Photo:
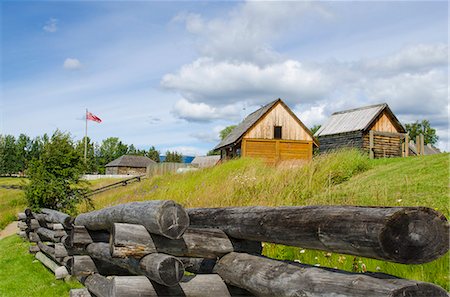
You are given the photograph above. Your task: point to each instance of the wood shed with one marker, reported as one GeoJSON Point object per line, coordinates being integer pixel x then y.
{"type": "Point", "coordinates": [273, 133]}
{"type": "Point", "coordinates": [374, 129]}
{"type": "Point", "coordinates": [205, 161]}
{"type": "Point", "coordinates": [129, 164]}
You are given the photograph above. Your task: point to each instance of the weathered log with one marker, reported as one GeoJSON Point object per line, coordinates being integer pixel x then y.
{"type": "Point", "coordinates": [60, 251]}
{"type": "Point", "coordinates": [59, 234]}
{"type": "Point", "coordinates": [22, 225]}
{"type": "Point", "coordinates": [107, 269]}
{"type": "Point", "coordinates": [33, 224]}
{"type": "Point", "coordinates": [41, 218]}
{"type": "Point", "coordinates": [22, 234]}
{"type": "Point", "coordinates": [33, 237]}
{"type": "Point", "coordinates": [135, 241]}
{"type": "Point", "coordinates": [21, 216]}
{"type": "Point", "coordinates": [46, 234]}
{"type": "Point", "coordinates": [99, 236]}
{"type": "Point", "coordinates": [80, 293]}
{"type": "Point", "coordinates": [55, 216]}
{"type": "Point", "coordinates": [99, 285]}
{"type": "Point", "coordinates": [410, 235]}
{"type": "Point", "coordinates": [46, 249]}
{"type": "Point", "coordinates": [161, 268]}
{"type": "Point", "coordinates": [56, 226]}
{"type": "Point", "coordinates": [60, 271]}
{"type": "Point", "coordinates": [80, 236]}
{"type": "Point", "coordinates": [198, 265]}
{"type": "Point", "coordinates": [33, 249]}
{"type": "Point", "coordinates": [163, 217]}
{"type": "Point", "coordinates": [267, 277]}
{"type": "Point", "coordinates": [80, 266]}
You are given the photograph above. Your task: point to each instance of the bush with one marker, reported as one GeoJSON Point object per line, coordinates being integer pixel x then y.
{"type": "Point", "coordinates": [55, 176]}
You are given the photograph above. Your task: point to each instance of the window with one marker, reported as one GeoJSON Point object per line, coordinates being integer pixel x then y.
{"type": "Point", "coordinates": [277, 132]}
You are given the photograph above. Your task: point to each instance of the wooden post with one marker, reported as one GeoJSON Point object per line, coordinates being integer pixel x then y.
{"type": "Point", "coordinates": [267, 277]}
{"type": "Point", "coordinates": [406, 145]}
{"type": "Point", "coordinates": [418, 146]}
{"type": "Point", "coordinates": [371, 145]}
{"type": "Point", "coordinates": [163, 217]}
{"type": "Point", "coordinates": [399, 234]}
{"type": "Point", "coordinates": [60, 271]}
{"type": "Point", "coordinates": [422, 145]}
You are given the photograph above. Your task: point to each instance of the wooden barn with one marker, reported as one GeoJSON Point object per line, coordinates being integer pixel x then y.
{"type": "Point", "coordinates": [273, 133]}
{"type": "Point", "coordinates": [372, 128]}
{"type": "Point", "coordinates": [129, 164]}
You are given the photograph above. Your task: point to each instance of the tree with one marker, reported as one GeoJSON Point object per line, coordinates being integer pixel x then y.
{"type": "Point", "coordinates": [213, 153]}
{"type": "Point", "coordinates": [91, 160]}
{"type": "Point", "coordinates": [153, 154]}
{"type": "Point", "coordinates": [132, 150]}
{"type": "Point", "coordinates": [110, 149]}
{"type": "Point", "coordinates": [224, 133]}
{"type": "Point", "coordinates": [55, 176]}
{"type": "Point", "coordinates": [173, 157]}
{"type": "Point", "coordinates": [23, 146]}
{"type": "Point", "coordinates": [8, 155]}
{"type": "Point", "coordinates": [315, 128]}
{"type": "Point", "coordinates": [424, 127]}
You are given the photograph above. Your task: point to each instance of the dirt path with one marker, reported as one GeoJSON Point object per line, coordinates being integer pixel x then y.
{"type": "Point", "coordinates": [9, 230]}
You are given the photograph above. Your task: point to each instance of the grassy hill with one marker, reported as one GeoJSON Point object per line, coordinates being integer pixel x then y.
{"type": "Point", "coordinates": [343, 178]}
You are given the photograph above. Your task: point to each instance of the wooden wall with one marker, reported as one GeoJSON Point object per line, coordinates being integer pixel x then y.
{"type": "Point", "coordinates": [273, 151]}
{"type": "Point", "coordinates": [384, 146]}
{"type": "Point", "coordinates": [384, 124]}
{"type": "Point", "coordinates": [336, 141]}
{"type": "Point", "coordinates": [278, 116]}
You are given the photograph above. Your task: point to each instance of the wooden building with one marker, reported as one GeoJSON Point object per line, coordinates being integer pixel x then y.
{"type": "Point", "coordinates": [205, 161]}
{"type": "Point", "coordinates": [374, 129]}
{"type": "Point", "coordinates": [129, 164]}
{"type": "Point", "coordinates": [273, 133]}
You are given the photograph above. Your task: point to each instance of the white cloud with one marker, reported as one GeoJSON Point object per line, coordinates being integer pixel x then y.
{"type": "Point", "coordinates": [212, 136]}
{"type": "Point", "coordinates": [201, 112]}
{"type": "Point", "coordinates": [185, 150]}
{"type": "Point", "coordinates": [72, 64]}
{"type": "Point", "coordinates": [51, 25]}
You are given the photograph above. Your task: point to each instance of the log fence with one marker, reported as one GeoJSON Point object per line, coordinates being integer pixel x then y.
{"type": "Point", "coordinates": [146, 248]}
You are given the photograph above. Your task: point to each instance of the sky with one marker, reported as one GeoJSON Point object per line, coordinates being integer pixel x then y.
{"type": "Point", "coordinates": [173, 74]}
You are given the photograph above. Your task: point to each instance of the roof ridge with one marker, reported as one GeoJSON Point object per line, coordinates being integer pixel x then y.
{"type": "Point", "coordinates": [359, 108]}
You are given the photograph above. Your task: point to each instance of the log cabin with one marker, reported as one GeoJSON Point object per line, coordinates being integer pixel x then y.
{"type": "Point", "coordinates": [273, 133]}
{"type": "Point", "coordinates": [129, 164]}
{"type": "Point", "coordinates": [374, 129]}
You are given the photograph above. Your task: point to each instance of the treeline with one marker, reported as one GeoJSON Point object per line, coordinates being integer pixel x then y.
{"type": "Point", "coordinates": [16, 154]}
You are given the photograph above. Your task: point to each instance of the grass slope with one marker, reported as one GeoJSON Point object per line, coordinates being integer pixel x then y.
{"type": "Point", "coordinates": [343, 178]}
{"type": "Point", "coordinates": [12, 201]}
{"type": "Point", "coordinates": [23, 276]}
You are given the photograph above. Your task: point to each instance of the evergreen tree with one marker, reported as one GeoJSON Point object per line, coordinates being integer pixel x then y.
{"type": "Point", "coordinates": [8, 155]}
{"type": "Point", "coordinates": [173, 157]}
{"type": "Point", "coordinates": [153, 154]}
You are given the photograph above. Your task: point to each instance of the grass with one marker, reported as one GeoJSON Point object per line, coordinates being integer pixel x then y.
{"type": "Point", "coordinates": [12, 201]}
{"type": "Point", "coordinates": [23, 276]}
{"type": "Point", "coordinates": [342, 178]}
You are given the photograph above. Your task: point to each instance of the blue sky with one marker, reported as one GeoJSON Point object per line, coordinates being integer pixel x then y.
{"type": "Point", "coordinates": [173, 74]}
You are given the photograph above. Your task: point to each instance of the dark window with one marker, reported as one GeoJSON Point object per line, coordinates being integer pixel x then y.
{"type": "Point", "coordinates": [277, 132]}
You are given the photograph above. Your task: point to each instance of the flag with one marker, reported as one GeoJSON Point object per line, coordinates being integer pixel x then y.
{"type": "Point", "coordinates": [91, 117]}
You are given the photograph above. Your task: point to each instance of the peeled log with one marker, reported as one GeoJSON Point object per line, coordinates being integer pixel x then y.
{"type": "Point", "coordinates": [55, 216]}
{"type": "Point", "coordinates": [163, 217]}
{"type": "Point", "coordinates": [80, 266]}
{"type": "Point", "coordinates": [161, 268]}
{"type": "Point", "coordinates": [132, 240]}
{"type": "Point", "coordinates": [409, 235]}
{"type": "Point", "coordinates": [267, 277]}
{"type": "Point", "coordinates": [80, 293]}
{"type": "Point", "coordinates": [60, 271]}
{"type": "Point", "coordinates": [60, 251]}
{"type": "Point", "coordinates": [46, 234]}
{"type": "Point", "coordinates": [99, 285]}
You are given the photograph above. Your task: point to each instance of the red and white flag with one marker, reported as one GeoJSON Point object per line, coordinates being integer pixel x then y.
{"type": "Point", "coordinates": [91, 117]}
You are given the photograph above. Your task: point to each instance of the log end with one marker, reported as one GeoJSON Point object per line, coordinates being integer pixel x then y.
{"type": "Point", "coordinates": [174, 220]}
{"type": "Point", "coordinates": [415, 236]}
{"type": "Point", "coordinates": [421, 290]}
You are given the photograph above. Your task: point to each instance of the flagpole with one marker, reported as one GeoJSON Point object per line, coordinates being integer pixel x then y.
{"type": "Point", "coordinates": [85, 138]}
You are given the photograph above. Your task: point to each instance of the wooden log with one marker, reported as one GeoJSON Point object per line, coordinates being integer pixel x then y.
{"type": "Point", "coordinates": [22, 225]}
{"type": "Point", "coordinates": [55, 216]}
{"type": "Point", "coordinates": [99, 236]}
{"type": "Point", "coordinates": [22, 234]}
{"type": "Point", "coordinates": [41, 218]}
{"type": "Point", "coordinates": [80, 236]}
{"type": "Point", "coordinates": [60, 271]}
{"type": "Point", "coordinates": [46, 234]}
{"type": "Point", "coordinates": [80, 266]}
{"type": "Point", "coordinates": [107, 269]}
{"type": "Point", "coordinates": [161, 268]}
{"type": "Point", "coordinates": [99, 285]}
{"type": "Point", "coordinates": [132, 286]}
{"type": "Point", "coordinates": [59, 234]}
{"type": "Point", "coordinates": [267, 277]}
{"type": "Point", "coordinates": [33, 224]}
{"type": "Point", "coordinates": [198, 265]}
{"type": "Point", "coordinates": [410, 235]}
{"type": "Point", "coordinates": [21, 216]}
{"type": "Point", "coordinates": [46, 249]}
{"type": "Point", "coordinates": [163, 217]}
{"type": "Point", "coordinates": [131, 240]}
{"type": "Point", "coordinates": [79, 293]}
{"type": "Point", "coordinates": [33, 237]}
{"type": "Point", "coordinates": [57, 226]}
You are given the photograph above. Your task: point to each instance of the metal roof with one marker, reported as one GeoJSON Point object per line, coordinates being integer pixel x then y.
{"type": "Point", "coordinates": [206, 161]}
{"type": "Point", "coordinates": [248, 122]}
{"type": "Point", "coordinates": [355, 120]}
{"type": "Point", "coordinates": [130, 161]}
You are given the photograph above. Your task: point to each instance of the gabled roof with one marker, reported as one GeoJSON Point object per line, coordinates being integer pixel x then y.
{"type": "Point", "coordinates": [130, 161]}
{"type": "Point", "coordinates": [206, 161]}
{"type": "Point", "coordinates": [356, 120]}
{"type": "Point", "coordinates": [251, 120]}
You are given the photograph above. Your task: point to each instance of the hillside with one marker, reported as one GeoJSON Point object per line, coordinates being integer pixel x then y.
{"type": "Point", "coordinates": [345, 178]}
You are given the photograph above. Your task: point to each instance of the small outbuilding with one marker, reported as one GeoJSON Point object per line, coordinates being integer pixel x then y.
{"type": "Point", "coordinates": [372, 128]}
{"type": "Point", "coordinates": [273, 133]}
{"type": "Point", "coordinates": [205, 161]}
{"type": "Point", "coordinates": [129, 164]}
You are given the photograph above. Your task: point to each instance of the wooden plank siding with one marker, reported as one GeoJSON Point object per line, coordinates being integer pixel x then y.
{"type": "Point", "coordinates": [384, 124]}
{"type": "Point", "coordinates": [273, 151]}
{"type": "Point", "coordinates": [384, 146]}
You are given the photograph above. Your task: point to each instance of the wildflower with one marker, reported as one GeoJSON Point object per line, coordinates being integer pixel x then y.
{"type": "Point", "coordinates": [399, 200]}
{"type": "Point", "coordinates": [298, 261]}
{"type": "Point", "coordinates": [328, 255]}
{"type": "Point", "coordinates": [378, 268]}
{"type": "Point", "coordinates": [316, 258]}
{"type": "Point", "coordinates": [302, 251]}
{"type": "Point", "coordinates": [363, 267]}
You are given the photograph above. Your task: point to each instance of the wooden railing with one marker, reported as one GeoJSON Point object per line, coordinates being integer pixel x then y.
{"type": "Point", "coordinates": [121, 183]}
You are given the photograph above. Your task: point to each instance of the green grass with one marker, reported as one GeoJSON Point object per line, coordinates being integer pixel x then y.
{"type": "Point", "coordinates": [12, 201]}
{"type": "Point", "coordinates": [23, 276]}
{"type": "Point", "coordinates": [343, 178]}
